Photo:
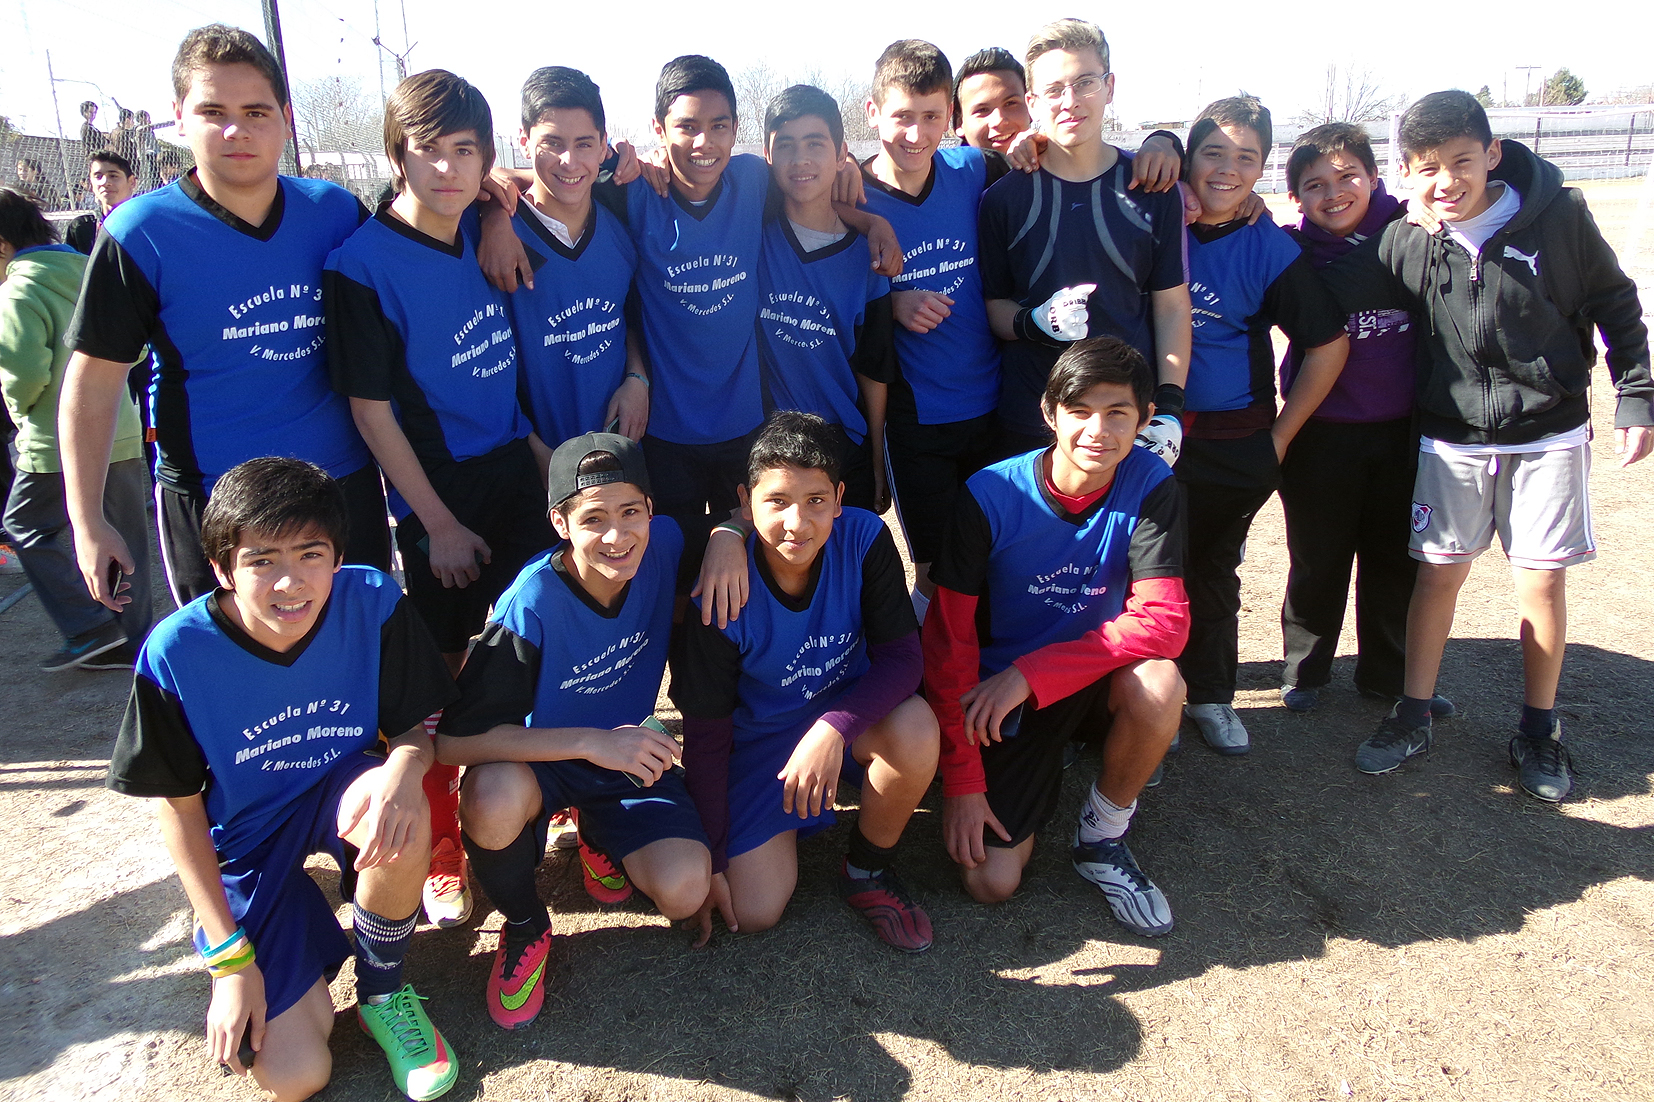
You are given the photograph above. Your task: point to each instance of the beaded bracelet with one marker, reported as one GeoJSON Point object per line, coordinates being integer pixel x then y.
{"type": "Point", "coordinates": [232, 956]}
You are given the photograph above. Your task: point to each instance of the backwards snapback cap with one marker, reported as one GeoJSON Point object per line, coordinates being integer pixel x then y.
{"type": "Point", "coordinates": [565, 479]}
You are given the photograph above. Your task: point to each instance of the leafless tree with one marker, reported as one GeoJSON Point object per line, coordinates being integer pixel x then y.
{"type": "Point", "coordinates": [1349, 94]}
{"type": "Point", "coordinates": [337, 113]}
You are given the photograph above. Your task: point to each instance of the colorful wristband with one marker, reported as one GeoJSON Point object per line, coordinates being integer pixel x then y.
{"type": "Point", "coordinates": [730, 526]}
{"type": "Point", "coordinates": [231, 957]}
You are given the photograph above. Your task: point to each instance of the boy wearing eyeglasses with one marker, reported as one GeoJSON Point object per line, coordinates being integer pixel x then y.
{"type": "Point", "coordinates": [1073, 250]}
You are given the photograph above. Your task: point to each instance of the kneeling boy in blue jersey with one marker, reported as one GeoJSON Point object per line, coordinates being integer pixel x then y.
{"type": "Point", "coordinates": [554, 712]}
{"type": "Point", "coordinates": [256, 714]}
{"type": "Point", "coordinates": [815, 678]}
{"type": "Point", "coordinates": [824, 322]}
{"type": "Point", "coordinates": [1059, 610]}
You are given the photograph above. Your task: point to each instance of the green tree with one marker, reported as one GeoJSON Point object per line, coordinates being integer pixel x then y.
{"type": "Point", "coordinates": [1561, 89]}
{"type": "Point", "coordinates": [1485, 96]}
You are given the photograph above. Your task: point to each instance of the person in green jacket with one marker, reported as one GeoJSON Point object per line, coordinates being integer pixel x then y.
{"type": "Point", "coordinates": [41, 280]}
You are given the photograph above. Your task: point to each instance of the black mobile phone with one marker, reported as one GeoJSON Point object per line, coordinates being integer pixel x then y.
{"type": "Point", "coordinates": [244, 1052]}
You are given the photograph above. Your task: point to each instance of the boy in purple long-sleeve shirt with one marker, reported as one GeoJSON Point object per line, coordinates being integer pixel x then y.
{"type": "Point", "coordinates": [1347, 481]}
{"type": "Point", "coordinates": [815, 679]}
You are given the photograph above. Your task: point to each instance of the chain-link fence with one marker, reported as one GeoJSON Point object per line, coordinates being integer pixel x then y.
{"type": "Point", "coordinates": [53, 170]}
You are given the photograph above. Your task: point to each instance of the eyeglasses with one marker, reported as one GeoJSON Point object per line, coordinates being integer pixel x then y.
{"type": "Point", "coordinates": [1083, 88]}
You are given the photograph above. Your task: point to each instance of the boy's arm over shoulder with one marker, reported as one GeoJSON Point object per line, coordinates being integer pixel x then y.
{"type": "Point", "coordinates": [1363, 279]}
{"type": "Point", "coordinates": [1613, 306]}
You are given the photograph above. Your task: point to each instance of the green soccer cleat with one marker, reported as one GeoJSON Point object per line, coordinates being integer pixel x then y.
{"type": "Point", "coordinates": [421, 1062]}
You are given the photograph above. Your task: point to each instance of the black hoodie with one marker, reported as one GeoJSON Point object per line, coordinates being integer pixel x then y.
{"type": "Point", "coordinates": [1505, 348]}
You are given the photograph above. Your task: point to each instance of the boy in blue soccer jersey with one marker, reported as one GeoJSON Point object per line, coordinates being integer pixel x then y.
{"type": "Point", "coordinates": [814, 681]}
{"type": "Point", "coordinates": [824, 318]}
{"type": "Point", "coordinates": [256, 715]}
{"type": "Point", "coordinates": [1059, 610]}
{"type": "Point", "coordinates": [581, 366]}
{"type": "Point", "coordinates": [1245, 278]}
{"type": "Point", "coordinates": [698, 240]}
{"type": "Point", "coordinates": [424, 348]}
{"type": "Point", "coordinates": [220, 276]}
{"type": "Point", "coordinates": [554, 709]}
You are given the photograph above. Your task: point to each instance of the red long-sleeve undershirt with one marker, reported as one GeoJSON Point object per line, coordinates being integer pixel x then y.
{"type": "Point", "coordinates": [1153, 624]}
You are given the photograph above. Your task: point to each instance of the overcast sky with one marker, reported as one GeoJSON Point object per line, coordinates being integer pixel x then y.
{"type": "Point", "coordinates": [1278, 52]}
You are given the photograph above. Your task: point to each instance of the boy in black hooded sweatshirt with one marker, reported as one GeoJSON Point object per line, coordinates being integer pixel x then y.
{"type": "Point", "coordinates": [1506, 284]}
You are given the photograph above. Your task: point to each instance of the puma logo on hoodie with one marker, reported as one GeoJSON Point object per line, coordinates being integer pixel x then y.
{"type": "Point", "coordinates": [1531, 261]}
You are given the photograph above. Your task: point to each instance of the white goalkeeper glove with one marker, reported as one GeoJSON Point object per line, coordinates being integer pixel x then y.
{"type": "Point", "coordinates": [1063, 316]}
{"type": "Point", "coordinates": [1163, 436]}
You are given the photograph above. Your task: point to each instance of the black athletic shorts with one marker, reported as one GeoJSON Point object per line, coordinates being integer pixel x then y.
{"type": "Point", "coordinates": [178, 516]}
{"type": "Point", "coordinates": [1024, 772]}
{"type": "Point", "coordinates": [500, 497]}
{"type": "Point", "coordinates": [928, 464]}
{"type": "Point", "coordinates": [689, 480]}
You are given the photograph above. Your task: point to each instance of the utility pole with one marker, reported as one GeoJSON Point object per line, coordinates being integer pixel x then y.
{"type": "Point", "coordinates": [62, 151]}
{"type": "Point", "coordinates": [401, 59]}
{"type": "Point", "coordinates": [272, 31]}
{"type": "Point", "coordinates": [1527, 80]}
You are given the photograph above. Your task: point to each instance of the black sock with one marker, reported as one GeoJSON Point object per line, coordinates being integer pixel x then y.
{"type": "Point", "coordinates": [381, 943]}
{"type": "Point", "coordinates": [507, 876]}
{"type": "Point", "coordinates": [866, 858]}
{"type": "Point", "coordinates": [1414, 711]}
{"type": "Point", "coordinates": [1536, 722]}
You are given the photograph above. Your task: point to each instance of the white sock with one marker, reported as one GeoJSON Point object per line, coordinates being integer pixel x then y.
{"type": "Point", "coordinates": [1101, 821]}
{"type": "Point", "coordinates": [921, 605]}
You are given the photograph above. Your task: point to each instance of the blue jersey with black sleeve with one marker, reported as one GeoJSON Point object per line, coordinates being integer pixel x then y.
{"type": "Point", "coordinates": [552, 656]}
{"type": "Point", "coordinates": [1230, 278]}
{"type": "Point", "coordinates": [571, 325]}
{"type": "Point", "coordinates": [213, 709]}
{"type": "Point", "coordinates": [697, 283]}
{"type": "Point", "coordinates": [952, 372]}
{"type": "Point", "coordinates": [412, 321]}
{"type": "Point", "coordinates": [812, 318]}
{"type": "Point", "coordinates": [231, 315]}
{"type": "Point", "coordinates": [1048, 576]}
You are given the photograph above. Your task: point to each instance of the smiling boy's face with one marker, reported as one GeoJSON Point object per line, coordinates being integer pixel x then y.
{"type": "Point", "coordinates": [1334, 192]}
{"type": "Point", "coordinates": [804, 159]}
{"type": "Point", "coordinates": [1451, 179]}
{"type": "Point", "coordinates": [993, 109]}
{"type": "Point", "coordinates": [567, 147]}
{"type": "Point", "coordinates": [699, 135]}
{"type": "Point", "coordinates": [278, 584]}
{"type": "Point", "coordinates": [1223, 170]}
{"type": "Point", "coordinates": [910, 125]}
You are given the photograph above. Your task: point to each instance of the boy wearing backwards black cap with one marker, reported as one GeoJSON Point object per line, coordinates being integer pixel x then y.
{"type": "Point", "coordinates": [556, 710]}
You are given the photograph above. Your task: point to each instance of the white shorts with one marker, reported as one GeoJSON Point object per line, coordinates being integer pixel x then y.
{"type": "Point", "coordinates": [1537, 502]}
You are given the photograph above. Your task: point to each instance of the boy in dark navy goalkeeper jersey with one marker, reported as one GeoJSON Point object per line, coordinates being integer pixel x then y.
{"type": "Point", "coordinates": [1078, 248]}
{"type": "Point", "coordinates": [824, 321]}
{"type": "Point", "coordinates": [815, 679]}
{"type": "Point", "coordinates": [554, 711]}
{"type": "Point", "coordinates": [257, 713]}
{"type": "Point", "coordinates": [424, 348]}
{"type": "Point", "coordinates": [698, 239]}
{"type": "Point", "coordinates": [1059, 610]}
{"type": "Point", "coordinates": [1245, 278]}
{"type": "Point", "coordinates": [220, 276]}
{"type": "Point", "coordinates": [582, 367]}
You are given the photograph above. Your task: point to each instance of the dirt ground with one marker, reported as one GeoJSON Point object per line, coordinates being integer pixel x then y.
{"type": "Point", "coordinates": [1432, 934]}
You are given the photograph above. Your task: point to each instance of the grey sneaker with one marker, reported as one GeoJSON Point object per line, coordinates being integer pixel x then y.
{"type": "Point", "coordinates": [1393, 743]}
{"type": "Point", "coordinates": [1136, 902]}
{"type": "Point", "coordinates": [1544, 767]}
{"type": "Point", "coordinates": [1440, 706]}
{"type": "Point", "coordinates": [1220, 727]}
{"type": "Point", "coordinates": [86, 647]}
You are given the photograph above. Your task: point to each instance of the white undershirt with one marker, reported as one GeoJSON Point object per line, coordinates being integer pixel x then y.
{"type": "Point", "coordinates": [814, 240]}
{"type": "Point", "coordinates": [1473, 233]}
{"type": "Point", "coordinates": [1555, 442]}
{"type": "Point", "coordinates": [558, 230]}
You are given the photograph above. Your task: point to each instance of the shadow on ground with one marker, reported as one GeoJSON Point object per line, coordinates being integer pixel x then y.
{"type": "Point", "coordinates": [1264, 858]}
